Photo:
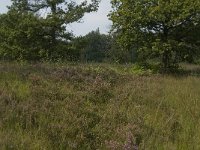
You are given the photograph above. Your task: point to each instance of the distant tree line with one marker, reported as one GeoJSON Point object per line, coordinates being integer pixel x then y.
{"type": "Point", "coordinates": [167, 32]}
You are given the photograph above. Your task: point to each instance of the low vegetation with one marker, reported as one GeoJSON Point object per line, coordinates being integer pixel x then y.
{"type": "Point", "coordinates": [97, 106]}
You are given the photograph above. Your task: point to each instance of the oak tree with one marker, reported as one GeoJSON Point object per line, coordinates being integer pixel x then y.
{"type": "Point", "coordinates": [158, 28]}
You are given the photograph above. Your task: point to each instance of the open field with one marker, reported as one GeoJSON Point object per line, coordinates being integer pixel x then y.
{"type": "Point", "coordinates": [97, 106]}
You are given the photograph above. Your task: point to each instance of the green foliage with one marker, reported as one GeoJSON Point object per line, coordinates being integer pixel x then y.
{"type": "Point", "coordinates": [26, 34]}
{"type": "Point", "coordinates": [61, 14]}
{"type": "Point", "coordinates": [158, 28]}
{"type": "Point", "coordinates": [117, 53]}
{"type": "Point", "coordinates": [97, 46]}
{"type": "Point", "coordinates": [143, 31]}
{"type": "Point", "coordinates": [21, 37]}
{"type": "Point", "coordinates": [93, 47]}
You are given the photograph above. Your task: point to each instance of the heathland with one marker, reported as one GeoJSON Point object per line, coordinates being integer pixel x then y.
{"type": "Point", "coordinates": [98, 106]}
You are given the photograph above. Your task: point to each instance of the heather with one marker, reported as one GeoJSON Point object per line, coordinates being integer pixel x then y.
{"type": "Point", "coordinates": [98, 106]}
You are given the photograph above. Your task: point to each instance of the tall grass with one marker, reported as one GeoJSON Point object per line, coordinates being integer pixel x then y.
{"type": "Point", "coordinates": [93, 106]}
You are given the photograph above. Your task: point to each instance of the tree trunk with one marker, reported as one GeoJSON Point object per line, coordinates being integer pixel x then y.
{"type": "Point", "coordinates": [165, 60]}
{"type": "Point", "coordinates": [53, 31]}
{"type": "Point", "coordinates": [53, 28]}
{"type": "Point", "coordinates": [165, 56]}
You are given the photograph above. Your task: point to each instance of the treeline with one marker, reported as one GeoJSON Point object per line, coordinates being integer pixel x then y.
{"type": "Point", "coordinates": [166, 32]}
{"type": "Point", "coordinates": [26, 33]}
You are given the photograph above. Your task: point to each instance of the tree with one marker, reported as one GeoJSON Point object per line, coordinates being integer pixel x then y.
{"type": "Point", "coordinates": [46, 34]}
{"type": "Point", "coordinates": [97, 46]}
{"type": "Point", "coordinates": [21, 36]}
{"type": "Point", "coordinates": [60, 14]}
{"type": "Point", "coordinates": [117, 53]}
{"type": "Point", "coordinates": [157, 28]}
{"type": "Point", "coordinates": [92, 47]}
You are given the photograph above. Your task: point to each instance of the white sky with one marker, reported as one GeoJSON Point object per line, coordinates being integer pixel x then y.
{"type": "Point", "coordinates": [91, 21]}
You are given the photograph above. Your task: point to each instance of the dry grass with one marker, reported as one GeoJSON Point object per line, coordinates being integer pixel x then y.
{"type": "Point", "coordinates": [68, 106]}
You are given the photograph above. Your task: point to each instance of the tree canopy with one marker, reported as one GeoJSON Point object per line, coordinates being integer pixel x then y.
{"type": "Point", "coordinates": [26, 28]}
{"type": "Point", "coordinates": [161, 32]}
{"type": "Point", "coordinates": [167, 29]}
